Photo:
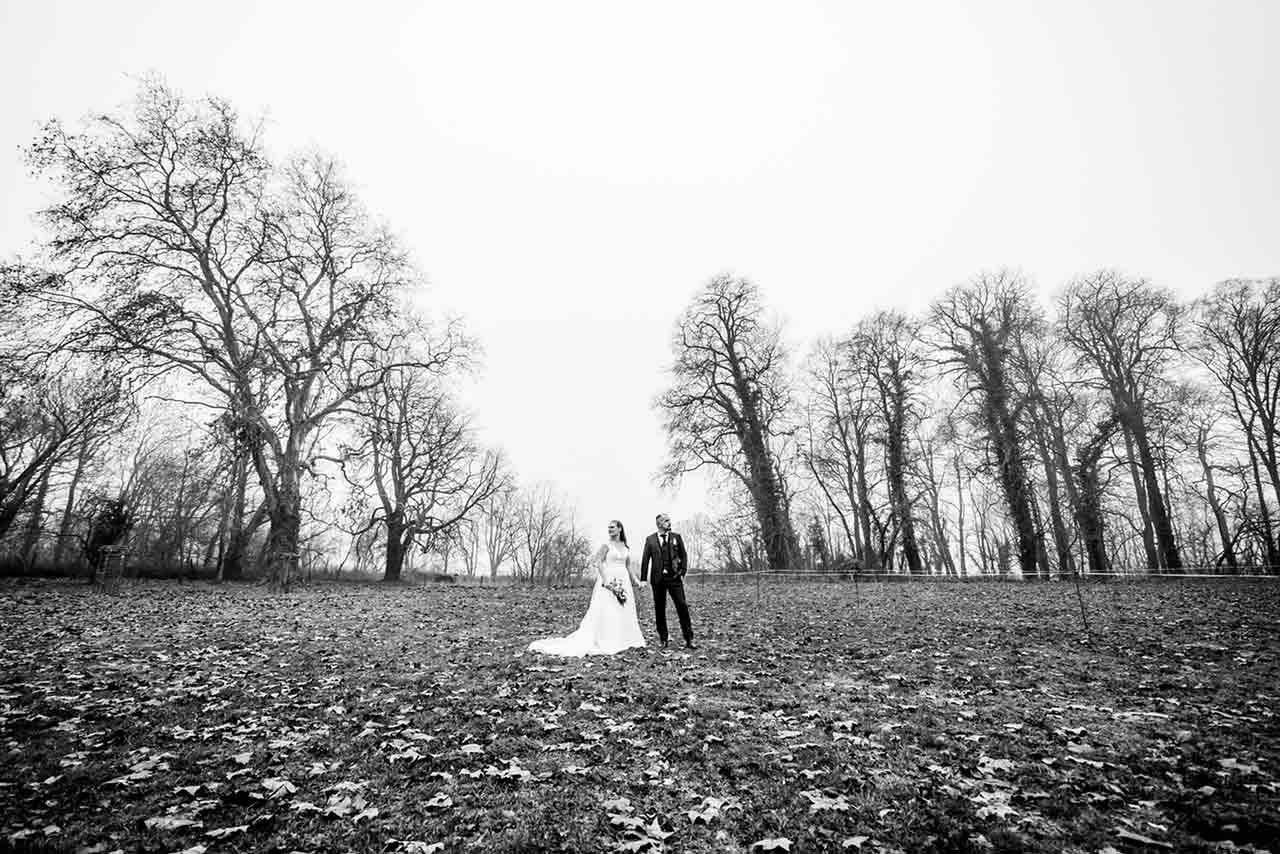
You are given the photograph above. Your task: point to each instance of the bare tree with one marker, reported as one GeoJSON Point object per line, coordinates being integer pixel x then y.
{"type": "Point", "coordinates": [727, 404]}
{"type": "Point", "coordinates": [1237, 338]}
{"type": "Point", "coordinates": [932, 474]}
{"type": "Point", "coordinates": [500, 519]}
{"type": "Point", "coordinates": [568, 554]}
{"type": "Point", "coordinates": [696, 531]}
{"type": "Point", "coordinates": [884, 350]}
{"type": "Point", "coordinates": [182, 247]}
{"type": "Point", "coordinates": [978, 325]}
{"type": "Point", "coordinates": [56, 413]}
{"type": "Point", "coordinates": [1124, 332]}
{"type": "Point", "coordinates": [540, 516]}
{"type": "Point", "coordinates": [837, 435]}
{"type": "Point", "coordinates": [469, 545]}
{"type": "Point", "coordinates": [1200, 435]}
{"type": "Point", "coordinates": [736, 544]}
{"type": "Point", "coordinates": [173, 503]}
{"type": "Point", "coordinates": [418, 457]}
{"type": "Point", "coordinates": [87, 460]}
{"type": "Point", "coordinates": [46, 417]}
{"type": "Point", "coordinates": [1051, 401]}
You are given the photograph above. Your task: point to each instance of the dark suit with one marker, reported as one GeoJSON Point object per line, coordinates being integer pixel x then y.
{"type": "Point", "coordinates": [670, 563]}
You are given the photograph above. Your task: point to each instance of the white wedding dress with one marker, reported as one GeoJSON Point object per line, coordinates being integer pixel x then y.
{"type": "Point", "coordinates": [608, 626]}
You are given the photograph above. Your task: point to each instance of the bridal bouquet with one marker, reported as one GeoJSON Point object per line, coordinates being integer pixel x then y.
{"type": "Point", "coordinates": [618, 589]}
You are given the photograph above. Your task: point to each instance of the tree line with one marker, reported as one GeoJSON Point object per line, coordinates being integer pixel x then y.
{"type": "Point", "coordinates": [222, 358]}
{"type": "Point", "coordinates": [1115, 429]}
{"type": "Point", "coordinates": [218, 355]}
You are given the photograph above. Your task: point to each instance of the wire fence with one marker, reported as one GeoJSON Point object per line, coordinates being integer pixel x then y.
{"type": "Point", "coordinates": [1260, 572]}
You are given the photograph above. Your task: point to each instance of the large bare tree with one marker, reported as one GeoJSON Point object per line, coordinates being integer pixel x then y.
{"type": "Point", "coordinates": [179, 244]}
{"type": "Point", "coordinates": [727, 404]}
{"type": "Point", "coordinates": [884, 349]}
{"type": "Point", "coordinates": [978, 325]}
{"type": "Point", "coordinates": [1123, 332]}
{"type": "Point", "coordinates": [1051, 403]}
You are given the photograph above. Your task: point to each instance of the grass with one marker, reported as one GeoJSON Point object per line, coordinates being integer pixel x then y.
{"type": "Point", "coordinates": [950, 717]}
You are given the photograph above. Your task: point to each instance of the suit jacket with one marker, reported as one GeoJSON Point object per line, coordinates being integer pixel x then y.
{"type": "Point", "coordinates": [653, 552]}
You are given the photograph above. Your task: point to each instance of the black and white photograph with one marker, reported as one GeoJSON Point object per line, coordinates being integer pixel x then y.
{"type": "Point", "coordinates": [707, 427]}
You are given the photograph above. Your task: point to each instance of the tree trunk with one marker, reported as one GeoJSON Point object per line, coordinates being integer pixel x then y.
{"type": "Point", "coordinates": [1013, 479]}
{"type": "Point", "coordinates": [282, 547]}
{"type": "Point", "coordinates": [1058, 444]}
{"type": "Point", "coordinates": [858, 533]}
{"type": "Point", "coordinates": [869, 556]}
{"type": "Point", "coordinates": [896, 465]}
{"type": "Point", "coordinates": [232, 567]}
{"type": "Point", "coordinates": [179, 522]}
{"type": "Point", "coordinates": [1061, 542]}
{"type": "Point", "coordinates": [849, 531]}
{"type": "Point", "coordinates": [208, 563]}
{"type": "Point", "coordinates": [964, 570]}
{"type": "Point", "coordinates": [782, 548]}
{"type": "Point", "coordinates": [1089, 518]}
{"type": "Point", "coordinates": [35, 524]}
{"type": "Point", "coordinates": [1140, 493]}
{"type": "Point", "coordinates": [395, 549]}
{"type": "Point", "coordinates": [1042, 552]}
{"type": "Point", "coordinates": [1089, 508]}
{"type": "Point", "coordinates": [286, 528]}
{"type": "Point", "coordinates": [1267, 451]}
{"type": "Point", "coordinates": [1160, 520]}
{"type": "Point", "coordinates": [11, 502]}
{"type": "Point", "coordinates": [1220, 517]}
{"type": "Point", "coordinates": [68, 512]}
{"type": "Point", "coordinates": [1273, 558]}
{"type": "Point", "coordinates": [940, 533]}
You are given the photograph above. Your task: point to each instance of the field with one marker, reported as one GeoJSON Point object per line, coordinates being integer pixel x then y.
{"type": "Point", "coordinates": [821, 717]}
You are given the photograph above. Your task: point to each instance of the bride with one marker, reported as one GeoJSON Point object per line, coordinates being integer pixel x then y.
{"type": "Point", "coordinates": [609, 625]}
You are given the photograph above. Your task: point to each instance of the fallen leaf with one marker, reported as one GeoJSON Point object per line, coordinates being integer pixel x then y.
{"type": "Point", "coordinates": [223, 832]}
{"type": "Point", "coordinates": [1130, 836]}
{"type": "Point", "coordinates": [277, 788]}
{"type": "Point", "coordinates": [171, 822]}
{"type": "Point", "coordinates": [410, 846]}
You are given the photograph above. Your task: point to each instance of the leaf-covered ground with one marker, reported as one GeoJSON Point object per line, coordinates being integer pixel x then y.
{"type": "Point", "coordinates": [948, 717]}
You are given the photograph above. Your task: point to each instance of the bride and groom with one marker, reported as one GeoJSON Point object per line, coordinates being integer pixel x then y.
{"type": "Point", "coordinates": [610, 624]}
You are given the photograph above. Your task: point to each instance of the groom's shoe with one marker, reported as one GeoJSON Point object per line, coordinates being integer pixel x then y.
{"type": "Point", "coordinates": [664, 643]}
{"type": "Point", "coordinates": [689, 644]}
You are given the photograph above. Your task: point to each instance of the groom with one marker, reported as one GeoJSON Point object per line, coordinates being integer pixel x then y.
{"type": "Point", "coordinates": [665, 549]}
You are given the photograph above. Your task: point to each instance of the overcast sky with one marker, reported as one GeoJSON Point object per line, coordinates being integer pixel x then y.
{"type": "Point", "coordinates": [567, 175]}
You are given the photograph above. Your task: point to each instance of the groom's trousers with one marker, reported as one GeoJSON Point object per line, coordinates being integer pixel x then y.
{"type": "Point", "coordinates": [675, 589]}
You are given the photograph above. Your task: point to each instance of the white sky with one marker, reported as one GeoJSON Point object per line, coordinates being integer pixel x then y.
{"type": "Point", "coordinates": [569, 174]}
